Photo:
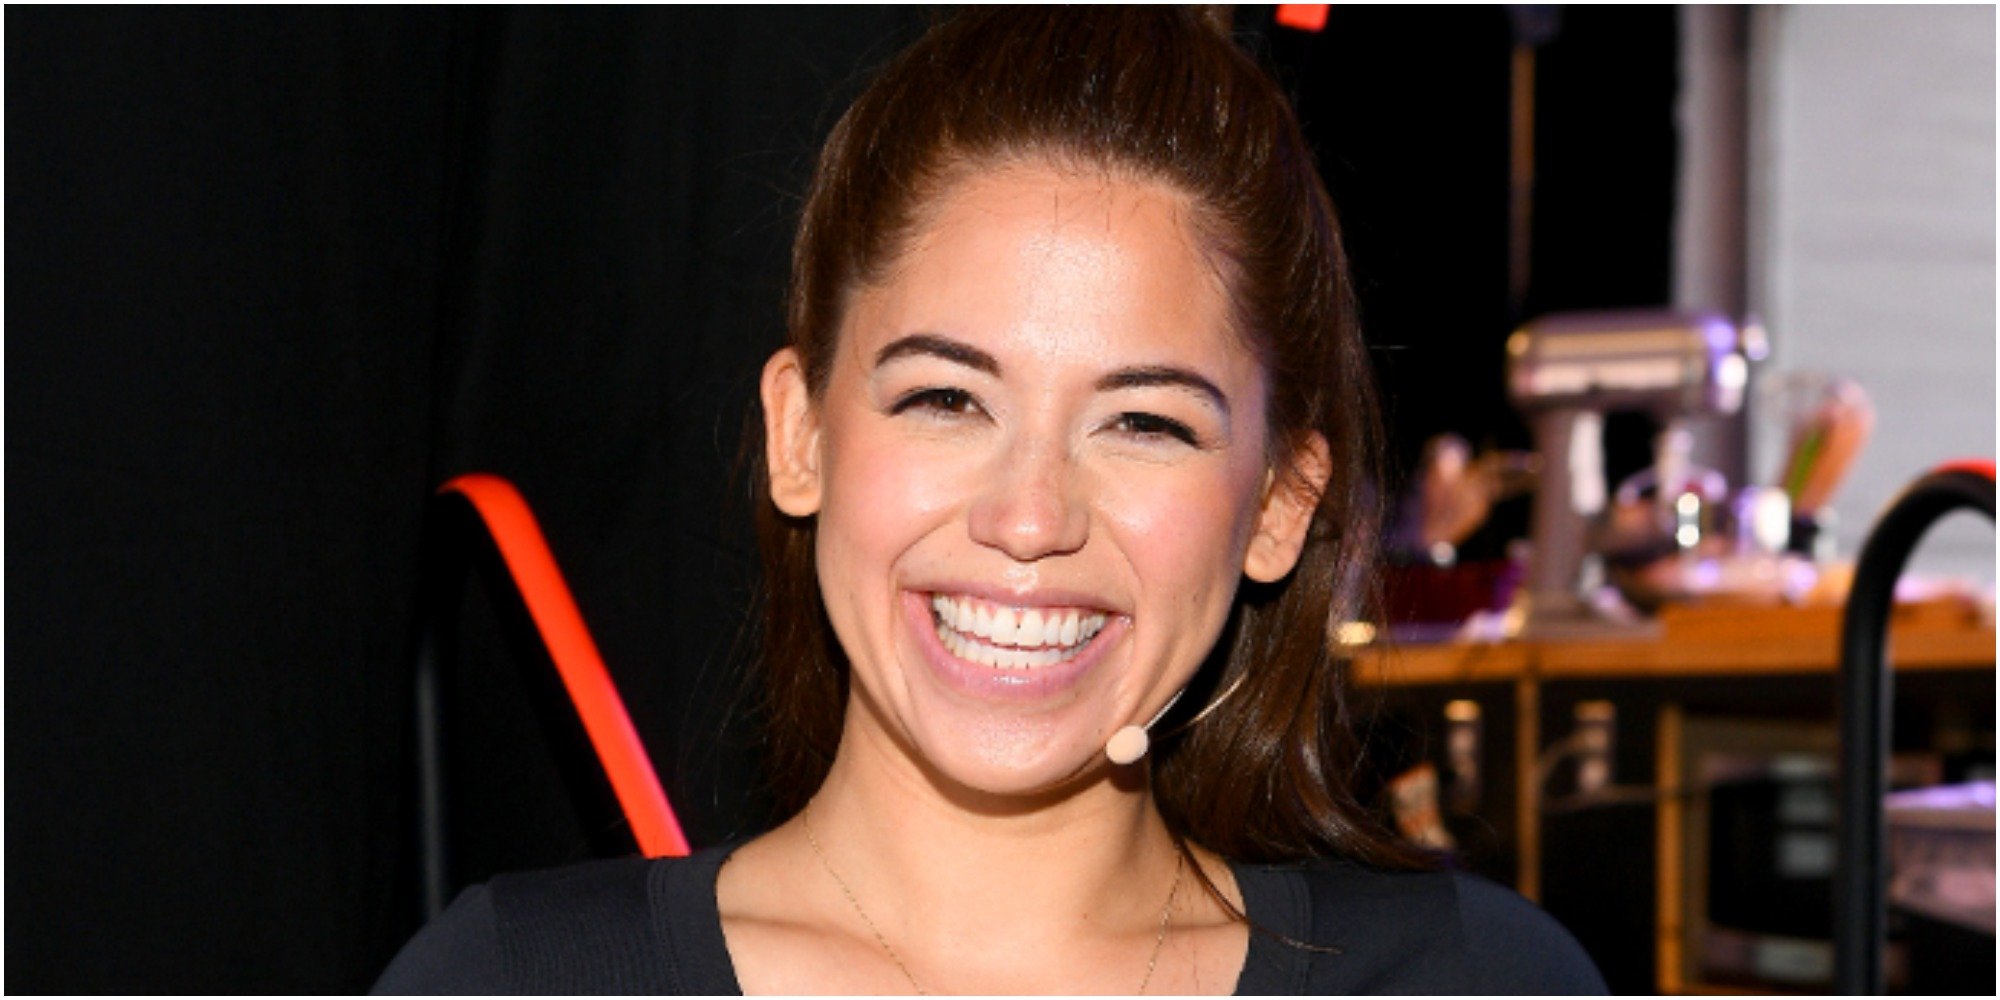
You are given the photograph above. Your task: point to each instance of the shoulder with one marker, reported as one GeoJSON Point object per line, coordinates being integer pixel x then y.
{"type": "Point", "coordinates": [457, 953]}
{"type": "Point", "coordinates": [1516, 947]}
{"type": "Point", "coordinates": [1374, 931]}
{"type": "Point", "coordinates": [626, 925]}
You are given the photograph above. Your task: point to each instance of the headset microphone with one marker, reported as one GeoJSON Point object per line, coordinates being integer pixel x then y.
{"type": "Point", "coordinates": [1130, 743]}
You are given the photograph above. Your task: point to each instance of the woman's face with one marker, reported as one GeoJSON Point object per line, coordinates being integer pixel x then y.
{"type": "Point", "coordinates": [1039, 470]}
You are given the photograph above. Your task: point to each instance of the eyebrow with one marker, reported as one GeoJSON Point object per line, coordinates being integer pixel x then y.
{"type": "Point", "coordinates": [1165, 375]}
{"type": "Point", "coordinates": [1142, 377]}
{"type": "Point", "coordinates": [938, 347]}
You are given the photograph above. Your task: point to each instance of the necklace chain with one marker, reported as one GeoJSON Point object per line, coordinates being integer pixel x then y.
{"type": "Point", "coordinates": [1152, 960]}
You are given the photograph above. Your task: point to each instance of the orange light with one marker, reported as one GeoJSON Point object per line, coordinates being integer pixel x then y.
{"type": "Point", "coordinates": [1975, 466]}
{"type": "Point", "coordinates": [1303, 16]}
{"type": "Point", "coordinates": [533, 566]}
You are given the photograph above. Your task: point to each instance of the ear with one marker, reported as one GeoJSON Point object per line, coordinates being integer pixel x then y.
{"type": "Point", "coordinates": [1290, 497]}
{"type": "Point", "coordinates": [791, 435]}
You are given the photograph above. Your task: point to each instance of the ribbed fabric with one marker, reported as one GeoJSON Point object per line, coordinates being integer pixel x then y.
{"type": "Point", "coordinates": [686, 915]}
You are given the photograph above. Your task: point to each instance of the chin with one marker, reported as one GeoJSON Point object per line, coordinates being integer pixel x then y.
{"type": "Point", "coordinates": [1027, 763]}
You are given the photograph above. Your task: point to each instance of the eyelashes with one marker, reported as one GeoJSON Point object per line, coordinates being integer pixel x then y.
{"type": "Point", "coordinates": [946, 402]}
{"type": "Point", "coordinates": [1155, 426]}
{"type": "Point", "coordinates": [941, 400]}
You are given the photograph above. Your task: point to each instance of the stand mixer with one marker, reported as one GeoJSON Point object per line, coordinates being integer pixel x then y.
{"type": "Point", "coordinates": [1565, 372]}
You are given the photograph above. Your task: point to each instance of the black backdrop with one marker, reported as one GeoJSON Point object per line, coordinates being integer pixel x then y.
{"type": "Point", "coordinates": [273, 275]}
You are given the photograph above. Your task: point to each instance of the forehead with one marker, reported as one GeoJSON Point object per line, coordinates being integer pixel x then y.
{"type": "Point", "coordinates": [1072, 262]}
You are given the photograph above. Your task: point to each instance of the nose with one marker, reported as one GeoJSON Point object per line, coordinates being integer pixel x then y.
{"type": "Point", "coordinates": [1028, 507]}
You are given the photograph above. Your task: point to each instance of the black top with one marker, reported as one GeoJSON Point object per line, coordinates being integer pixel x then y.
{"type": "Point", "coordinates": [639, 926]}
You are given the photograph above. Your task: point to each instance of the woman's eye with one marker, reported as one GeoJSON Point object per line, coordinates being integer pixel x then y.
{"type": "Point", "coordinates": [1152, 425]}
{"type": "Point", "coordinates": [943, 401]}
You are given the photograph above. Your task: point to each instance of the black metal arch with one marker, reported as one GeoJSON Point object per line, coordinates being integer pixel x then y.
{"type": "Point", "coordinates": [1864, 701]}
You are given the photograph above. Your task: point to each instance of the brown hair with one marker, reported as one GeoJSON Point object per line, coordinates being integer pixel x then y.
{"type": "Point", "coordinates": [1163, 94]}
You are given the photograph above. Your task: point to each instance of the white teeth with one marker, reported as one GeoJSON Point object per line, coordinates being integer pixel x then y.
{"type": "Point", "coordinates": [1012, 639]}
{"type": "Point", "coordinates": [1007, 627]}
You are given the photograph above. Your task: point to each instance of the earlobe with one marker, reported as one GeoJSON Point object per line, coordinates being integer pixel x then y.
{"type": "Point", "coordinates": [1291, 495]}
{"type": "Point", "coordinates": [791, 436]}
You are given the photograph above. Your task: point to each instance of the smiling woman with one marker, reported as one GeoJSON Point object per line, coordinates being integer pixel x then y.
{"type": "Point", "coordinates": [1073, 418]}
{"type": "Point", "coordinates": [1041, 415]}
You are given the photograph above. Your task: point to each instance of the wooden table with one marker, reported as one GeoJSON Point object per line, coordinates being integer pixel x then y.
{"type": "Point", "coordinates": [1695, 641]}
{"type": "Point", "coordinates": [1684, 642]}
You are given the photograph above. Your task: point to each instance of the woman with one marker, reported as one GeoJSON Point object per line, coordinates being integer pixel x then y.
{"type": "Point", "coordinates": [1073, 419]}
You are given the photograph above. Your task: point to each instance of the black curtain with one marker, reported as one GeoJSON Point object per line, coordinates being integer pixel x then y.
{"type": "Point", "coordinates": [273, 275]}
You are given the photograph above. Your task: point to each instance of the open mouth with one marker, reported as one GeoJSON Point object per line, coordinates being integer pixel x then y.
{"type": "Point", "coordinates": [1007, 638]}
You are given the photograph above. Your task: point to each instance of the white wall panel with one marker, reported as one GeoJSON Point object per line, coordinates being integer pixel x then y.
{"type": "Point", "coordinates": [1873, 238]}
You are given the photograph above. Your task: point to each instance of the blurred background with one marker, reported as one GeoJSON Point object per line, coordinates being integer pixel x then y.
{"type": "Point", "coordinates": [274, 275]}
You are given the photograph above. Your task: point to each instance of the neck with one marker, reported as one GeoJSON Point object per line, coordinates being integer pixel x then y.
{"type": "Point", "coordinates": [978, 879]}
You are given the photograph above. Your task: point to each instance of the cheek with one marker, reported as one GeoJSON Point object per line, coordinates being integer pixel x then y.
{"type": "Point", "coordinates": [1187, 533]}
{"type": "Point", "coordinates": [882, 494]}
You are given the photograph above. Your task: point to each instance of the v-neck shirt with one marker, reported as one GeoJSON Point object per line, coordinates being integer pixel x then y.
{"type": "Point", "coordinates": [654, 926]}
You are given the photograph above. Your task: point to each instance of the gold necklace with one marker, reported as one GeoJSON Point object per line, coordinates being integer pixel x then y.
{"type": "Point", "coordinates": [1152, 960]}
